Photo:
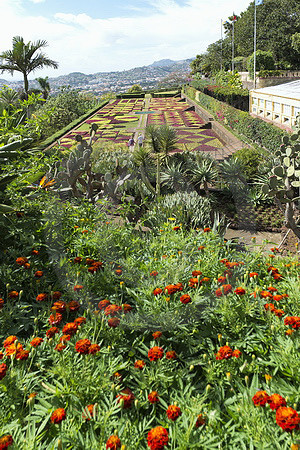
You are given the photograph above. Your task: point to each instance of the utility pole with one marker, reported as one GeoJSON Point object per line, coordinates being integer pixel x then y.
{"type": "Point", "coordinates": [254, 46]}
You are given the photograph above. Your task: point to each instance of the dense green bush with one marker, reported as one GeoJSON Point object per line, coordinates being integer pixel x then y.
{"type": "Point", "coordinates": [252, 130]}
{"type": "Point", "coordinates": [250, 159]}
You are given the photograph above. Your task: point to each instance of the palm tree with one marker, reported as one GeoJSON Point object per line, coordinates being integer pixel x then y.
{"type": "Point", "coordinates": [45, 86]}
{"type": "Point", "coordinates": [25, 58]}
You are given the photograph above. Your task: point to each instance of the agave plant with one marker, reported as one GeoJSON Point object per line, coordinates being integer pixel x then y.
{"type": "Point", "coordinates": [204, 173]}
{"type": "Point", "coordinates": [174, 176]}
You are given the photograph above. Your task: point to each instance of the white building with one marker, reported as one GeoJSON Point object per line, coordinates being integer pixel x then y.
{"type": "Point", "coordinates": [278, 104]}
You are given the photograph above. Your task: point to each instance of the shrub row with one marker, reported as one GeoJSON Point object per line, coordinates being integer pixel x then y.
{"type": "Point", "coordinates": [234, 96]}
{"type": "Point", "coordinates": [129, 95]}
{"type": "Point", "coordinates": [249, 128]}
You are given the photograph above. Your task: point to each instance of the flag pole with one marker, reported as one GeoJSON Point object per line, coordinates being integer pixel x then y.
{"type": "Point", "coordinates": [232, 64]}
{"type": "Point", "coordinates": [221, 44]}
{"type": "Point", "coordinates": [254, 49]}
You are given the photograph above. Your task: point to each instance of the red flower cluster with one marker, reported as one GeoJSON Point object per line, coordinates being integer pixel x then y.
{"type": "Point", "coordinates": [58, 416]}
{"type": "Point", "coordinates": [200, 421]}
{"type": "Point", "coordinates": [287, 418]}
{"type": "Point", "coordinates": [36, 342]}
{"type": "Point", "coordinates": [224, 290]}
{"type": "Point", "coordinates": [156, 335]}
{"type": "Point", "coordinates": [185, 299]}
{"type": "Point", "coordinates": [3, 370]}
{"type": "Point", "coordinates": [6, 441]}
{"type": "Point", "coordinates": [173, 288]}
{"type": "Point", "coordinates": [173, 412]}
{"type": "Point", "coordinates": [126, 398]}
{"type": "Point", "coordinates": [113, 442]}
{"type": "Point", "coordinates": [226, 352]}
{"type": "Point", "coordinates": [294, 321]}
{"type": "Point", "coordinates": [275, 273]}
{"type": "Point", "coordinates": [157, 291]}
{"type": "Point", "coordinates": [157, 438]}
{"type": "Point", "coordinates": [153, 397]}
{"type": "Point", "coordinates": [240, 291]}
{"type": "Point", "coordinates": [260, 398]}
{"type": "Point", "coordinates": [139, 364]}
{"type": "Point", "coordinates": [171, 354]}
{"type": "Point", "coordinates": [82, 346]}
{"type": "Point", "coordinates": [155, 353]}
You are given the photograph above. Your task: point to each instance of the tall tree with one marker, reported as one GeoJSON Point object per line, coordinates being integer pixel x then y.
{"type": "Point", "coordinates": [25, 58]}
{"type": "Point", "coordinates": [44, 86]}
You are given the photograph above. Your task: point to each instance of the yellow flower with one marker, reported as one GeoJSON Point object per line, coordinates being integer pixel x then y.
{"type": "Point", "coordinates": [171, 218]}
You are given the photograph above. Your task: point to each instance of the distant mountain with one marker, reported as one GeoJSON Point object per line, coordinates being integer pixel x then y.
{"type": "Point", "coordinates": [98, 83]}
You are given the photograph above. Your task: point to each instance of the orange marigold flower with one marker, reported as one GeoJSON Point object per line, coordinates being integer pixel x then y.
{"type": "Point", "coordinates": [277, 297]}
{"type": "Point", "coordinates": [205, 279]}
{"type": "Point", "coordinates": [153, 397]}
{"type": "Point", "coordinates": [70, 328]}
{"type": "Point", "coordinates": [56, 295]}
{"type": "Point", "coordinates": [156, 335]}
{"type": "Point", "coordinates": [139, 364]}
{"type": "Point", "coordinates": [113, 442]}
{"type": "Point", "coordinates": [176, 228]}
{"type": "Point", "coordinates": [240, 291]}
{"type": "Point", "coordinates": [88, 412]}
{"type": "Point", "coordinates": [224, 352]}
{"type": "Point", "coordinates": [9, 340]}
{"type": "Point", "coordinates": [126, 308]}
{"type": "Point", "coordinates": [260, 398]}
{"type": "Point", "coordinates": [173, 412]}
{"type": "Point", "coordinates": [82, 346]}
{"type": "Point", "coordinates": [275, 401]}
{"type": "Point", "coordinates": [60, 347]}
{"type": "Point", "coordinates": [114, 322]}
{"type": "Point", "coordinates": [206, 230]}
{"type": "Point", "coordinates": [55, 318]}
{"type": "Point", "coordinates": [94, 348]}
{"type": "Point", "coordinates": [34, 252]}
{"type": "Point", "coordinates": [3, 370]}
{"type": "Point", "coordinates": [154, 273]}
{"type": "Point", "coordinates": [1, 355]}
{"type": "Point", "coordinates": [58, 416]}
{"type": "Point", "coordinates": [126, 397]}
{"type": "Point", "coordinates": [39, 274]}
{"type": "Point", "coordinates": [157, 291]}
{"type": "Point", "coordinates": [289, 332]}
{"type": "Point", "coordinates": [236, 353]}
{"type": "Point", "coordinates": [253, 274]}
{"type": "Point", "coordinates": [278, 312]}
{"type": "Point", "coordinates": [59, 306]}
{"type": "Point", "coordinates": [196, 273]}
{"type": "Point", "coordinates": [89, 261]}
{"type": "Point", "coordinates": [36, 341]}
{"type": "Point", "coordinates": [22, 354]}
{"type": "Point", "coordinates": [77, 260]}
{"type": "Point", "coordinates": [1, 303]}
{"type": "Point", "coordinates": [118, 272]}
{"type": "Point", "coordinates": [221, 280]}
{"type": "Point", "coordinates": [64, 338]}
{"type": "Point", "coordinates": [73, 305]}
{"type": "Point", "coordinates": [6, 441]}
{"type": "Point", "coordinates": [201, 247]}
{"type": "Point", "coordinates": [173, 288]}
{"type": "Point", "coordinates": [185, 299]}
{"type": "Point", "coordinates": [103, 304]}
{"type": "Point", "coordinates": [269, 307]}
{"type": "Point", "coordinates": [78, 287]}
{"type": "Point", "coordinates": [51, 332]}
{"type": "Point", "coordinates": [21, 260]}
{"type": "Point", "coordinates": [13, 294]}
{"type": "Point", "coordinates": [155, 353]}
{"type": "Point", "coordinates": [171, 354]}
{"type": "Point", "coordinates": [266, 294]}
{"type": "Point", "coordinates": [41, 297]}
{"type": "Point", "coordinates": [272, 289]}
{"type": "Point", "coordinates": [112, 310]}
{"type": "Point", "coordinates": [194, 282]}
{"type": "Point", "coordinates": [157, 438]}
{"type": "Point", "coordinates": [80, 320]}
{"type": "Point", "coordinates": [200, 421]}
{"type": "Point", "coordinates": [277, 276]}
{"type": "Point", "coordinates": [287, 418]}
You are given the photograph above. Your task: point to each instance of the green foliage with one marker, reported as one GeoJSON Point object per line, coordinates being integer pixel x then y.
{"type": "Point", "coordinates": [264, 61]}
{"type": "Point", "coordinates": [251, 159]}
{"type": "Point", "coordinates": [232, 80]}
{"type": "Point", "coordinates": [135, 89]}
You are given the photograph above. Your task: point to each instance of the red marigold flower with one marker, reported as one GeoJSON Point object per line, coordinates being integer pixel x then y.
{"type": "Point", "coordinates": [266, 294]}
{"type": "Point", "coordinates": [236, 353]}
{"type": "Point", "coordinates": [21, 260]}
{"type": "Point", "coordinates": [58, 416]}
{"type": "Point", "coordinates": [227, 288]}
{"type": "Point", "coordinates": [154, 273]}
{"type": "Point", "coordinates": [176, 228]}
{"type": "Point", "coordinates": [73, 305]}
{"type": "Point", "coordinates": [171, 354]}
{"type": "Point", "coordinates": [200, 421]}
{"type": "Point", "coordinates": [34, 252]}
{"type": "Point", "coordinates": [240, 291]}
{"type": "Point", "coordinates": [80, 320]}
{"type": "Point", "coordinates": [89, 261]}
{"type": "Point", "coordinates": [287, 418]}
{"type": "Point", "coordinates": [26, 266]}
{"type": "Point", "coordinates": [118, 272]}
{"type": "Point", "coordinates": [157, 438]}
{"type": "Point", "coordinates": [64, 338]}
{"type": "Point", "coordinates": [41, 297]}
{"type": "Point", "coordinates": [185, 299]}
{"type": "Point", "coordinates": [94, 348]}
{"type": "Point", "coordinates": [201, 247]}
{"type": "Point", "coordinates": [78, 287]}
{"type": "Point", "coordinates": [173, 288]}
{"type": "Point", "coordinates": [153, 397]}
{"type": "Point", "coordinates": [1, 355]}
{"type": "Point", "coordinates": [275, 401]}
{"type": "Point", "coordinates": [39, 274]}
{"type": "Point", "coordinates": [60, 347]}
{"type": "Point", "coordinates": [88, 412]}
{"type": "Point", "coordinates": [113, 442]}
{"type": "Point", "coordinates": [1, 303]}
{"type": "Point", "coordinates": [221, 280]}
{"type": "Point", "coordinates": [269, 307]}
{"type": "Point", "coordinates": [9, 340]}
{"type": "Point", "coordinates": [112, 310]}
{"type": "Point", "coordinates": [278, 312]}
{"type": "Point", "coordinates": [126, 308]}
{"type": "Point", "coordinates": [82, 346]}
{"type": "Point", "coordinates": [103, 304]}
{"type": "Point", "coordinates": [139, 364]}
{"type": "Point", "coordinates": [294, 321]}
{"type": "Point", "coordinates": [22, 354]}
{"type": "Point", "coordinates": [205, 280]}
{"type": "Point", "coordinates": [55, 318]}
{"type": "Point", "coordinates": [272, 289]}
{"type": "Point", "coordinates": [77, 260]}
{"type": "Point", "coordinates": [194, 282]}
{"type": "Point", "coordinates": [277, 276]}
{"type": "Point", "coordinates": [196, 273]}
{"type": "Point", "coordinates": [206, 230]}
{"type": "Point", "coordinates": [36, 342]}
{"type": "Point", "coordinates": [224, 352]}
{"type": "Point", "coordinates": [13, 294]}
{"type": "Point", "coordinates": [157, 291]}
{"type": "Point", "coordinates": [6, 441]}
{"type": "Point", "coordinates": [114, 322]}
{"type": "Point", "coordinates": [51, 332]}
{"type": "Point", "coordinates": [13, 348]}
{"type": "Point", "coordinates": [70, 328]}
{"type": "Point", "coordinates": [253, 274]}
{"type": "Point", "coordinates": [155, 353]}
{"type": "Point", "coordinates": [3, 370]}
{"type": "Point", "coordinates": [56, 295]}
{"type": "Point", "coordinates": [277, 297]}
{"type": "Point", "coordinates": [156, 335]}
{"type": "Point", "coordinates": [59, 306]}
{"type": "Point", "coordinates": [173, 412]}
{"type": "Point", "coordinates": [260, 398]}
{"type": "Point", "coordinates": [126, 398]}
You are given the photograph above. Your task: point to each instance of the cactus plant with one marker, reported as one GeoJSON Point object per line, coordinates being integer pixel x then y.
{"type": "Point", "coordinates": [284, 182]}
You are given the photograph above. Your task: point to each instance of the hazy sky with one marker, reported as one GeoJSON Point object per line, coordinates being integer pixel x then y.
{"type": "Point", "coordinates": [107, 35]}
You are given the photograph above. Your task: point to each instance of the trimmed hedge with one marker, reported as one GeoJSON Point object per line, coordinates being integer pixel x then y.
{"type": "Point", "coordinates": [253, 130]}
{"type": "Point", "coordinates": [234, 96]}
{"type": "Point", "coordinates": [54, 137]}
{"type": "Point", "coordinates": [133, 95]}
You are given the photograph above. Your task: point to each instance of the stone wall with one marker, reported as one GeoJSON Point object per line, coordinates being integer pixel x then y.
{"type": "Point", "coordinates": [284, 77]}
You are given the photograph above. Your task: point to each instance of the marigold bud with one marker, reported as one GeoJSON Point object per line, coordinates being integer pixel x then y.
{"type": "Point", "coordinates": [59, 444]}
{"type": "Point", "coordinates": [247, 380]}
{"type": "Point", "coordinates": [208, 388]}
{"type": "Point", "coordinates": [192, 367]}
{"type": "Point", "coordinates": [228, 376]}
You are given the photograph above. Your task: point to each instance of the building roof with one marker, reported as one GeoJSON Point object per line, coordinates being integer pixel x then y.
{"type": "Point", "coordinates": [289, 90]}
